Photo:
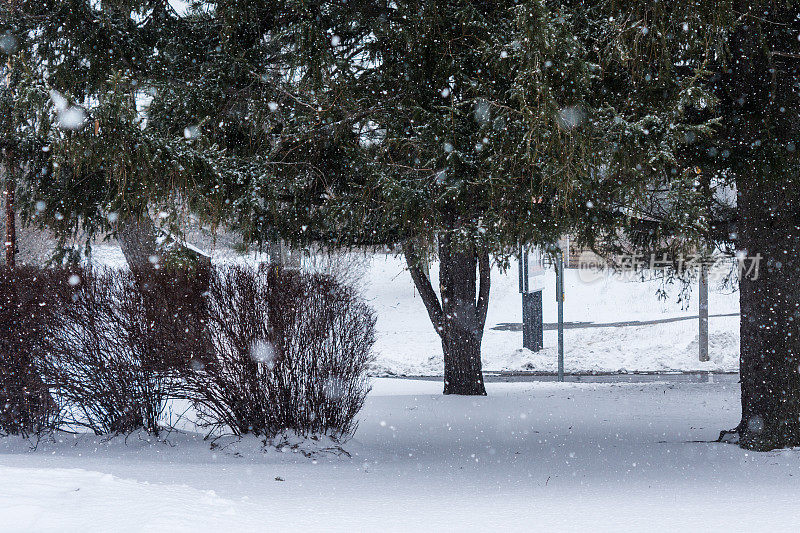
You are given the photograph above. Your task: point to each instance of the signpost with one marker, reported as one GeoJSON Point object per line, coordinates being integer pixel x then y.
{"type": "Point", "coordinates": [532, 323]}
{"type": "Point", "coordinates": [531, 290]}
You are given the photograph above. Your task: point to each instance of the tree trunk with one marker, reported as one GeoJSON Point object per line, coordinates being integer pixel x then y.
{"type": "Point", "coordinates": [460, 317]}
{"type": "Point", "coordinates": [770, 310]}
{"type": "Point", "coordinates": [137, 238]}
{"type": "Point", "coordinates": [760, 104]}
{"type": "Point", "coordinates": [462, 330]}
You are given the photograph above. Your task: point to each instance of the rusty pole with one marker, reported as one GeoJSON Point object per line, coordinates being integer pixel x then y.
{"type": "Point", "coordinates": [10, 243]}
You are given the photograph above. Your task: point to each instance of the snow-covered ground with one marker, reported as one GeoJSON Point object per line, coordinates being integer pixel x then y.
{"type": "Point", "coordinates": [530, 456]}
{"type": "Point", "coordinates": [407, 344]}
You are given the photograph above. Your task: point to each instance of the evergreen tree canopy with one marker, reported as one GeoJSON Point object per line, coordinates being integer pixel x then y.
{"type": "Point", "coordinates": [82, 75]}
{"type": "Point", "coordinates": [376, 122]}
{"type": "Point", "coordinates": [470, 126]}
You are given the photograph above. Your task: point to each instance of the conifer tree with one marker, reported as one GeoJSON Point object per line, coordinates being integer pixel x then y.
{"type": "Point", "coordinates": [87, 160]}
{"type": "Point", "coordinates": [434, 93]}
{"type": "Point", "coordinates": [693, 103]}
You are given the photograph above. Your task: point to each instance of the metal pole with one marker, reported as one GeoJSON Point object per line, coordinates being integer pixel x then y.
{"type": "Point", "coordinates": [560, 300]}
{"type": "Point", "coordinates": [703, 337]}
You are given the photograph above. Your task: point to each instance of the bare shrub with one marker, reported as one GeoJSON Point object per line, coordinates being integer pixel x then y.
{"type": "Point", "coordinates": [290, 353]}
{"type": "Point", "coordinates": [114, 349]}
{"type": "Point", "coordinates": [27, 308]}
{"type": "Point", "coordinates": [172, 302]}
{"type": "Point", "coordinates": [258, 351]}
{"type": "Point", "coordinates": [346, 267]}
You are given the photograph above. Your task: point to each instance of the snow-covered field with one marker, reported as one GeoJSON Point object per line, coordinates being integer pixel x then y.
{"type": "Point", "coordinates": [530, 456]}
{"type": "Point", "coordinates": [407, 344]}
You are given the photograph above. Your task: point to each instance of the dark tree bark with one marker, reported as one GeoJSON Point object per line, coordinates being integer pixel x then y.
{"type": "Point", "coordinates": [459, 318]}
{"type": "Point", "coordinates": [769, 217]}
{"type": "Point", "coordinates": [176, 316]}
{"type": "Point", "coordinates": [137, 238]}
{"type": "Point", "coordinates": [761, 114]}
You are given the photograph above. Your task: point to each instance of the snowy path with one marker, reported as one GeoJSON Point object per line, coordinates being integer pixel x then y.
{"type": "Point", "coordinates": [549, 326]}
{"type": "Point", "coordinates": [530, 456]}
